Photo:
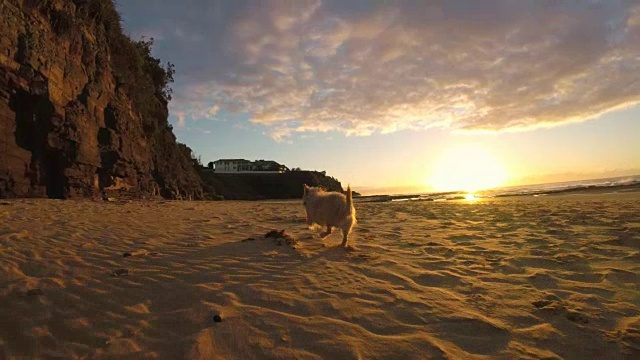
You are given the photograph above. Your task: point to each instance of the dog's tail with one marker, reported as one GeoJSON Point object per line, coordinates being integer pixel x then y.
{"type": "Point", "coordinates": [349, 197]}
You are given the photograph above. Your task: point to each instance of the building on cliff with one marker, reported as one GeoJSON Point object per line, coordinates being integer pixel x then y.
{"type": "Point", "coordinates": [246, 166]}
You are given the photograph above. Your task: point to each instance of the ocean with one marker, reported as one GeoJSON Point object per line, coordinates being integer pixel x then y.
{"type": "Point", "coordinates": [614, 184]}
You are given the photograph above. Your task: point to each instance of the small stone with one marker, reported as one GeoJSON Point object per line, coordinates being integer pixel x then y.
{"type": "Point", "coordinates": [35, 292]}
{"type": "Point", "coordinates": [136, 253]}
{"type": "Point", "coordinates": [120, 272]}
{"type": "Point", "coordinates": [248, 239]}
{"type": "Point", "coordinates": [217, 318]}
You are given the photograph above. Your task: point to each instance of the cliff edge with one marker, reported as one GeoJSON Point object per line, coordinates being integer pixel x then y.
{"type": "Point", "coordinates": [287, 185]}
{"type": "Point", "coordinates": [83, 108]}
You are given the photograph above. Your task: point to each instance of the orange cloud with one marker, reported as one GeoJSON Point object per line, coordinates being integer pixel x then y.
{"type": "Point", "coordinates": [362, 68]}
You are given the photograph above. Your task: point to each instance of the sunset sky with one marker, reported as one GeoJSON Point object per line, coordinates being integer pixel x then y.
{"type": "Point", "coordinates": [406, 95]}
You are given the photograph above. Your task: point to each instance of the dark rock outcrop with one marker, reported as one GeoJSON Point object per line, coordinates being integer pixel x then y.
{"type": "Point", "coordinates": [287, 185]}
{"type": "Point", "coordinates": [83, 109]}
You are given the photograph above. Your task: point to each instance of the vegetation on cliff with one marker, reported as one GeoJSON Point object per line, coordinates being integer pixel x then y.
{"type": "Point", "coordinates": [147, 83]}
{"type": "Point", "coordinates": [83, 113]}
{"type": "Point", "coordinates": [83, 108]}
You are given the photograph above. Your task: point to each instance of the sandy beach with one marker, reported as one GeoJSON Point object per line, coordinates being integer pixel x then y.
{"type": "Point", "coordinates": [545, 277]}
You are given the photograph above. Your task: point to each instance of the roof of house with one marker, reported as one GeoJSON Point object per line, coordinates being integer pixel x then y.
{"type": "Point", "coordinates": [231, 160]}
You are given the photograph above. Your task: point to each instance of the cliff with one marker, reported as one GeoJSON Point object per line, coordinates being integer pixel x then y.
{"type": "Point", "coordinates": [288, 185]}
{"type": "Point", "coordinates": [83, 109]}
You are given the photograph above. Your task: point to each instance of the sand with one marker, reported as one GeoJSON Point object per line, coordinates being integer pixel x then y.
{"type": "Point", "coordinates": [516, 278]}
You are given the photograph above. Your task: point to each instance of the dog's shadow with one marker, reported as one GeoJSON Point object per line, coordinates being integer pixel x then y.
{"type": "Point", "coordinates": [279, 255]}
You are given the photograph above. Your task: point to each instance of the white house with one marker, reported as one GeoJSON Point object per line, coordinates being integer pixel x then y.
{"type": "Point", "coordinates": [246, 166]}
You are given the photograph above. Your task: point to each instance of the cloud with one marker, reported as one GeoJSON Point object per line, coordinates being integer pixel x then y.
{"type": "Point", "coordinates": [195, 105]}
{"type": "Point", "coordinates": [181, 120]}
{"type": "Point", "coordinates": [364, 67]}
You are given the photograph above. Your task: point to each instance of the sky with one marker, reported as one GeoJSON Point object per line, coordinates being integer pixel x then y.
{"type": "Point", "coordinates": [410, 95]}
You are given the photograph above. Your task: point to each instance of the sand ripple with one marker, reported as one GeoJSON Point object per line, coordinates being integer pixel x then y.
{"type": "Point", "coordinates": [553, 277]}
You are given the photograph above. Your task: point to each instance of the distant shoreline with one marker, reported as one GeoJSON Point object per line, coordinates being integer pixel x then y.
{"type": "Point", "coordinates": [461, 195]}
{"type": "Point", "coordinates": [599, 186]}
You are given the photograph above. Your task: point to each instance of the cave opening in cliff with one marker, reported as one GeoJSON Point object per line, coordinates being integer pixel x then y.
{"type": "Point", "coordinates": [33, 119]}
{"type": "Point", "coordinates": [104, 137]}
{"type": "Point", "coordinates": [27, 107]}
{"type": "Point", "coordinates": [55, 175]}
{"type": "Point", "coordinates": [110, 118]}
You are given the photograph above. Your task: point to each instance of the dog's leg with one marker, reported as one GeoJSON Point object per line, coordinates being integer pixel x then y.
{"type": "Point", "coordinates": [344, 238]}
{"type": "Point", "coordinates": [326, 233]}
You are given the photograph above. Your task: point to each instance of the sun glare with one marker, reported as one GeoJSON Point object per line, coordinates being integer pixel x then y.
{"type": "Point", "coordinates": [467, 168]}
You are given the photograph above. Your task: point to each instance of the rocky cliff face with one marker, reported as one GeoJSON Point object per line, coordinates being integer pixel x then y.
{"type": "Point", "coordinates": [83, 109]}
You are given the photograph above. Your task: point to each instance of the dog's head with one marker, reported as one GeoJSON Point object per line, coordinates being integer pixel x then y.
{"type": "Point", "coordinates": [310, 192]}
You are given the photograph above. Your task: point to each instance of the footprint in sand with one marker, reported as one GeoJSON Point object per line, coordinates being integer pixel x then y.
{"type": "Point", "coordinates": [622, 276]}
{"type": "Point", "coordinates": [549, 299]}
{"type": "Point", "coordinates": [35, 292]}
{"type": "Point", "coordinates": [475, 336]}
{"type": "Point", "coordinates": [577, 317]}
{"type": "Point", "coordinates": [629, 333]}
{"type": "Point", "coordinates": [552, 306]}
{"type": "Point", "coordinates": [541, 303]}
{"type": "Point", "coordinates": [543, 281]}
{"type": "Point", "coordinates": [438, 279]}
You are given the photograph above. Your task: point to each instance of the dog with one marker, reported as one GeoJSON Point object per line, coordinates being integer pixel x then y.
{"type": "Point", "coordinates": [330, 209]}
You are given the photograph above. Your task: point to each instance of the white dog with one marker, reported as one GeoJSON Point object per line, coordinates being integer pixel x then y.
{"type": "Point", "coordinates": [330, 209]}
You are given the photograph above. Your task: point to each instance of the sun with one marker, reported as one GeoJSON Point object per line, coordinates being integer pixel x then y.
{"type": "Point", "coordinates": [467, 168]}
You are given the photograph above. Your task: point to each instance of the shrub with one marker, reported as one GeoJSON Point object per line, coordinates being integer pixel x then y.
{"type": "Point", "coordinates": [138, 74]}
{"type": "Point", "coordinates": [145, 81]}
